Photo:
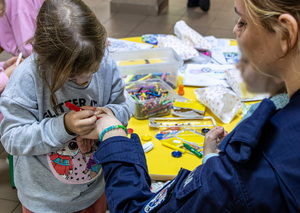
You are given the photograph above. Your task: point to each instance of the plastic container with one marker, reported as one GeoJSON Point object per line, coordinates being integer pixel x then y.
{"type": "Point", "coordinates": [149, 98]}
{"type": "Point", "coordinates": [156, 63]}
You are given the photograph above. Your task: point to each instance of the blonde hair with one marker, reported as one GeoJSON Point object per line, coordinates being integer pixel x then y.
{"type": "Point", "coordinates": [268, 12]}
{"type": "Point", "coordinates": [69, 40]}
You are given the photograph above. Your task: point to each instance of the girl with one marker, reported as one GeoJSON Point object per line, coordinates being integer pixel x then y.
{"type": "Point", "coordinates": [17, 24]}
{"type": "Point", "coordinates": [257, 169]}
{"type": "Point", "coordinates": [49, 166]}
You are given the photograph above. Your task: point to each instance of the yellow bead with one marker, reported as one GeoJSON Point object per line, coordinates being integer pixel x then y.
{"type": "Point", "coordinates": [146, 138]}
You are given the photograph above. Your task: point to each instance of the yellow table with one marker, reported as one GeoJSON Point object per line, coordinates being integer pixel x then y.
{"type": "Point", "coordinates": [161, 164]}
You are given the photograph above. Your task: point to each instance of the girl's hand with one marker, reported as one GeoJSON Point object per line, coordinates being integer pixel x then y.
{"type": "Point", "coordinates": [85, 145]}
{"type": "Point", "coordinates": [10, 62]}
{"type": "Point", "coordinates": [212, 140]}
{"type": "Point", "coordinates": [8, 71]}
{"type": "Point", "coordinates": [82, 122]}
{"type": "Point", "coordinates": [10, 65]}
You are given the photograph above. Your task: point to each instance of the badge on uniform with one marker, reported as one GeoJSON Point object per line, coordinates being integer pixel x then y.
{"type": "Point", "coordinates": [159, 198]}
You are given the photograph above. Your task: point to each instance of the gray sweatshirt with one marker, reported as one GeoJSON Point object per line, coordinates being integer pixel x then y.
{"type": "Point", "coordinates": [51, 174]}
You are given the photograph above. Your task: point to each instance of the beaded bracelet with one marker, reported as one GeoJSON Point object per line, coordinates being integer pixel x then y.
{"type": "Point", "coordinates": [111, 128]}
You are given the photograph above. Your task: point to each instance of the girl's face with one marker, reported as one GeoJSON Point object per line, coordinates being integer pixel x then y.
{"type": "Point", "coordinates": [84, 78]}
{"type": "Point", "coordinates": [261, 46]}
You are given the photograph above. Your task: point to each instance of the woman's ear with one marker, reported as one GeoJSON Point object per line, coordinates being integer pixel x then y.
{"type": "Point", "coordinates": [290, 26]}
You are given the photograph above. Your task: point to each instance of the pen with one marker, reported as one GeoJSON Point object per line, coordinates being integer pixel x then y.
{"type": "Point", "coordinates": [19, 59]}
{"type": "Point", "coordinates": [76, 108]}
{"type": "Point", "coordinates": [163, 76]}
{"type": "Point", "coordinates": [72, 106]}
{"type": "Point", "coordinates": [128, 78]}
{"type": "Point", "coordinates": [173, 147]}
{"type": "Point", "coordinates": [143, 78]}
{"type": "Point", "coordinates": [192, 150]}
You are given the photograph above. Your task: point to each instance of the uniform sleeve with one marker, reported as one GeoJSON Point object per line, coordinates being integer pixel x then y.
{"type": "Point", "coordinates": [126, 173]}
{"type": "Point", "coordinates": [117, 100]}
{"type": "Point", "coordinates": [210, 187]}
{"type": "Point", "coordinates": [22, 132]}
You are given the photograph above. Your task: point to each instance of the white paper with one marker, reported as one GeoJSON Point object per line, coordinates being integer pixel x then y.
{"type": "Point", "coordinates": [203, 75]}
{"type": "Point", "coordinates": [222, 50]}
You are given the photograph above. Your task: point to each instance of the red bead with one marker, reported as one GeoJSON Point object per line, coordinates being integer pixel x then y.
{"type": "Point", "coordinates": [129, 130]}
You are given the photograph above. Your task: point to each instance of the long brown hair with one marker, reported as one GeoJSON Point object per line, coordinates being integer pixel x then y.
{"type": "Point", "coordinates": [69, 40]}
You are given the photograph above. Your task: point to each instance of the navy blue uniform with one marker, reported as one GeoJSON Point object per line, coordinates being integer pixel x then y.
{"type": "Point", "coordinates": [257, 170]}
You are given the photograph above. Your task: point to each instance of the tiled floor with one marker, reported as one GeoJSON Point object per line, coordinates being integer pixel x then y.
{"type": "Point", "coordinates": [219, 22]}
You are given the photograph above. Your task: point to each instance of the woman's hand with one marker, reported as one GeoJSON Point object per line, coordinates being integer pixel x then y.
{"type": "Point", "coordinates": [82, 122]}
{"type": "Point", "coordinates": [212, 140]}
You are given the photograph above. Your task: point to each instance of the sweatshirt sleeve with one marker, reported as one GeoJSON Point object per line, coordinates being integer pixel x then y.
{"type": "Point", "coordinates": [23, 130]}
{"type": "Point", "coordinates": [117, 101]}
{"type": "Point", "coordinates": [3, 80]}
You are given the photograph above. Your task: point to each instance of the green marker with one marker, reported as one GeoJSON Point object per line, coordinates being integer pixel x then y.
{"type": "Point", "coordinates": [135, 98]}
{"type": "Point", "coordinates": [192, 150]}
{"type": "Point", "coordinates": [166, 102]}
